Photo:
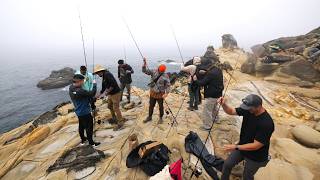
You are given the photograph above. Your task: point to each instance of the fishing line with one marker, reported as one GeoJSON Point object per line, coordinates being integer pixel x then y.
{"type": "Point", "coordinates": [83, 46]}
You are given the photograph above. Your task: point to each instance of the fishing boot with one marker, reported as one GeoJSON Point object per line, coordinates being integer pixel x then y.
{"type": "Point", "coordinates": [113, 120]}
{"type": "Point", "coordinates": [149, 118]}
{"type": "Point", "coordinates": [119, 126]}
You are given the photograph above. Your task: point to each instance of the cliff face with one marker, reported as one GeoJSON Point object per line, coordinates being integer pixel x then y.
{"type": "Point", "coordinates": [51, 150]}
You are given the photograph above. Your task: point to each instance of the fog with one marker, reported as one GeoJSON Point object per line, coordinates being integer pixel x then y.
{"type": "Point", "coordinates": [40, 28]}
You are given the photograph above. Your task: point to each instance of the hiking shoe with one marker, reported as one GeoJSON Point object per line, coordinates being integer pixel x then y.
{"type": "Point", "coordinates": [190, 108]}
{"type": "Point", "coordinates": [195, 108]}
{"type": "Point", "coordinates": [83, 142]}
{"type": "Point", "coordinates": [118, 127]}
{"type": "Point", "coordinates": [95, 144]}
{"type": "Point", "coordinates": [160, 120]}
{"type": "Point", "coordinates": [149, 118]}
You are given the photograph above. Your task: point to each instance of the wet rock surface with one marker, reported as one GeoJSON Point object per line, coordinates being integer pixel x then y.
{"type": "Point", "coordinates": [57, 79]}
{"type": "Point", "coordinates": [78, 159]}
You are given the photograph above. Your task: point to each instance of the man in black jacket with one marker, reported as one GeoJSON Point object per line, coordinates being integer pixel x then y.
{"type": "Point", "coordinates": [124, 75]}
{"type": "Point", "coordinates": [213, 87]}
{"type": "Point", "coordinates": [111, 89]}
{"type": "Point", "coordinates": [81, 100]}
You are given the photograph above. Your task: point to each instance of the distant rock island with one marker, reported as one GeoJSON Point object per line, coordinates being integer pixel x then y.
{"type": "Point", "coordinates": [57, 79]}
{"type": "Point", "coordinates": [167, 61]}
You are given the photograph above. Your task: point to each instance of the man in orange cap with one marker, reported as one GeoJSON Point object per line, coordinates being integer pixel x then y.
{"type": "Point", "coordinates": [159, 88]}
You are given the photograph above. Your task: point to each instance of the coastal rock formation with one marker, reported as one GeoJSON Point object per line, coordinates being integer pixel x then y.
{"type": "Point", "coordinates": [57, 79]}
{"type": "Point", "coordinates": [297, 57]}
{"type": "Point", "coordinates": [229, 42]}
{"type": "Point", "coordinates": [55, 142]}
{"type": "Point", "coordinates": [306, 136]}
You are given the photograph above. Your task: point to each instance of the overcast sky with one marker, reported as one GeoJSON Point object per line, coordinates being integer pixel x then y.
{"type": "Point", "coordinates": [52, 26]}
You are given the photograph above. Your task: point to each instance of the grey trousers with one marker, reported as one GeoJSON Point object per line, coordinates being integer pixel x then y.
{"type": "Point", "coordinates": [128, 87]}
{"type": "Point", "coordinates": [250, 166]}
{"type": "Point", "coordinates": [210, 111]}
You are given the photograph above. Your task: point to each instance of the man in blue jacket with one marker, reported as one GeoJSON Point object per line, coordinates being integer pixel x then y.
{"type": "Point", "coordinates": [81, 100]}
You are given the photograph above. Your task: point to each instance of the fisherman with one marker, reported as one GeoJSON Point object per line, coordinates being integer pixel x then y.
{"type": "Point", "coordinates": [124, 75]}
{"type": "Point", "coordinates": [256, 130]}
{"type": "Point", "coordinates": [159, 89]}
{"type": "Point", "coordinates": [111, 89]}
{"type": "Point", "coordinates": [81, 100]}
{"type": "Point", "coordinates": [212, 82]}
{"type": "Point", "coordinates": [193, 87]}
{"type": "Point", "coordinates": [88, 83]}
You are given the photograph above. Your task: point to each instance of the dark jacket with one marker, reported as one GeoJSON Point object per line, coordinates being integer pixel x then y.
{"type": "Point", "coordinates": [123, 75]}
{"type": "Point", "coordinates": [109, 84]}
{"type": "Point", "coordinates": [81, 99]}
{"type": "Point", "coordinates": [212, 83]}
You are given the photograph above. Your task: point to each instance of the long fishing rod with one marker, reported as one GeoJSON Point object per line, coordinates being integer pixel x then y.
{"type": "Point", "coordinates": [215, 116]}
{"type": "Point", "coordinates": [125, 53]}
{"type": "Point", "coordinates": [83, 46]}
{"type": "Point", "coordinates": [136, 44]}
{"type": "Point", "coordinates": [175, 37]}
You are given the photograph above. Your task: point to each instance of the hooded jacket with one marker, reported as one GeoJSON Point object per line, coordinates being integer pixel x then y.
{"type": "Point", "coordinates": [212, 83]}
{"type": "Point", "coordinates": [81, 99]}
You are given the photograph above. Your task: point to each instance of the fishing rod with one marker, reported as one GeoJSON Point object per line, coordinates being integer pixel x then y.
{"type": "Point", "coordinates": [215, 116]}
{"type": "Point", "coordinates": [83, 44]}
{"type": "Point", "coordinates": [175, 37]}
{"type": "Point", "coordinates": [136, 44]}
{"type": "Point", "coordinates": [125, 53]}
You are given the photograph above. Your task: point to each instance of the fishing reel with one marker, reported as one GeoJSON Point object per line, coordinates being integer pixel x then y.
{"type": "Point", "coordinates": [197, 171]}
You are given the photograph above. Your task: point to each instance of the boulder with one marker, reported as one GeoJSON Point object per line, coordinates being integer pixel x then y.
{"type": "Point", "coordinates": [278, 170]}
{"type": "Point", "coordinates": [302, 69]}
{"type": "Point", "coordinates": [248, 66]}
{"type": "Point", "coordinates": [296, 154]}
{"type": "Point", "coordinates": [57, 79]}
{"type": "Point", "coordinates": [281, 57]}
{"type": "Point", "coordinates": [306, 136]}
{"type": "Point", "coordinates": [317, 126]}
{"type": "Point", "coordinates": [299, 49]}
{"type": "Point", "coordinates": [229, 42]}
{"type": "Point", "coordinates": [306, 84]}
{"type": "Point", "coordinates": [259, 50]}
{"type": "Point", "coordinates": [265, 68]}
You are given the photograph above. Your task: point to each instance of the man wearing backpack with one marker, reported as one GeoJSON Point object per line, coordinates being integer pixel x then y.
{"type": "Point", "coordinates": [213, 88]}
{"type": "Point", "coordinates": [124, 75]}
{"type": "Point", "coordinates": [159, 89]}
{"type": "Point", "coordinates": [193, 87]}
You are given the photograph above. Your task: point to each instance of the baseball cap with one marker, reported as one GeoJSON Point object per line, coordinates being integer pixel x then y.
{"type": "Point", "coordinates": [251, 101]}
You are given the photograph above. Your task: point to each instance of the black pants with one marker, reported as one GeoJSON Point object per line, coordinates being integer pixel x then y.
{"type": "Point", "coordinates": [152, 104]}
{"type": "Point", "coordinates": [86, 123]}
{"type": "Point", "coordinates": [250, 166]}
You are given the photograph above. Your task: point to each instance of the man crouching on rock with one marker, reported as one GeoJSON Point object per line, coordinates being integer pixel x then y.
{"type": "Point", "coordinates": [256, 130]}
{"type": "Point", "coordinates": [81, 100]}
{"type": "Point", "coordinates": [111, 88]}
{"type": "Point", "coordinates": [159, 89]}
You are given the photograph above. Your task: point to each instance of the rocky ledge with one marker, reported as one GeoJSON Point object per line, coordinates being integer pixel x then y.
{"type": "Point", "coordinates": [57, 79]}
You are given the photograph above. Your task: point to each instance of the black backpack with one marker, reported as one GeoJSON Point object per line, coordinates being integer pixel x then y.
{"type": "Point", "coordinates": [151, 164]}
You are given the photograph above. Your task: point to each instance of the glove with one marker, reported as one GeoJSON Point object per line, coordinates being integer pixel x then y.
{"type": "Point", "coordinates": [128, 71]}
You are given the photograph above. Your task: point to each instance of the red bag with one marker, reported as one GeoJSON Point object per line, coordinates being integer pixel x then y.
{"type": "Point", "coordinates": [175, 170]}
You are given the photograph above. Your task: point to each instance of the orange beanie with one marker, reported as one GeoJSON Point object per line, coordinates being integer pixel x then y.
{"type": "Point", "coordinates": [162, 68]}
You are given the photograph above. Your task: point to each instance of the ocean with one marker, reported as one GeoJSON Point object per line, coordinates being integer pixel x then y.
{"type": "Point", "coordinates": [21, 100]}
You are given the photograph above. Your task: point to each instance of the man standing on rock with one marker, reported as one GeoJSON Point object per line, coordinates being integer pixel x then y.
{"type": "Point", "coordinates": [111, 88]}
{"type": "Point", "coordinates": [159, 89]}
{"type": "Point", "coordinates": [81, 100]}
{"type": "Point", "coordinates": [256, 130]}
{"type": "Point", "coordinates": [124, 75]}
{"type": "Point", "coordinates": [193, 88]}
{"type": "Point", "coordinates": [212, 82]}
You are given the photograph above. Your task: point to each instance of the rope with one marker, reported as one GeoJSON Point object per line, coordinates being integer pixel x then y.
{"type": "Point", "coordinates": [216, 114]}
